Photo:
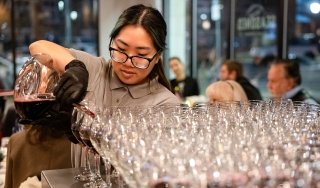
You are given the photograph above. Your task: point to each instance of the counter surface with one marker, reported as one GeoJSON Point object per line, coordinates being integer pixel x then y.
{"type": "Point", "coordinates": [62, 178]}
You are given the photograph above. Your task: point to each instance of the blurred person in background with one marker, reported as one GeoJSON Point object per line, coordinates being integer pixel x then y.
{"type": "Point", "coordinates": [233, 70]}
{"type": "Point", "coordinates": [284, 81]}
{"type": "Point", "coordinates": [225, 91]}
{"type": "Point", "coordinates": [182, 85]}
{"type": "Point", "coordinates": [43, 144]}
{"type": "Point", "coordinates": [254, 67]}
{"type": "Point", "coordinates": [2, 111]}
{"type": "Point", "coordinates": [2, 100]}
{"type": "Point", "coordinates": [9, 122]}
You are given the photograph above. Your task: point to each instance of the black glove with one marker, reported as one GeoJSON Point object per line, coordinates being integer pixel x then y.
{"type": "Point", "coordinates": [73, 84]}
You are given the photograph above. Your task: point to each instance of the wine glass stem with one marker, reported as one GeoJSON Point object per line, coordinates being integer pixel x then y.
{"type": "Point", "coordinates": [97, 171]}
{"type": "Point", "coordinates": [108, 171]}
{"type": "Point", "coordinates": [87, 166]}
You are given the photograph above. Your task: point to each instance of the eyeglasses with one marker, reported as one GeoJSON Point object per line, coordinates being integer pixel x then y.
{"type": "Point", "coordinates": [137, 61]}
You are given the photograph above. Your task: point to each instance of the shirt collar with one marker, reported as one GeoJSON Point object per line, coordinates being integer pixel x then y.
{"type": "Point", "coordinates": [292, 92]}
{"type": "Point", "coordinates": [136, 91]}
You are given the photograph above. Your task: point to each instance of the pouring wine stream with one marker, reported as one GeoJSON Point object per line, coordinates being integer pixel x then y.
{"type": "Point", "coordinates": [84, 109]}
{"type": "Point", "coordinates": [79, 106]}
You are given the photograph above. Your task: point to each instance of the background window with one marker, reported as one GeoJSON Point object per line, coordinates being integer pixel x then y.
{"type": "Point", "coordinates": [72, 24]}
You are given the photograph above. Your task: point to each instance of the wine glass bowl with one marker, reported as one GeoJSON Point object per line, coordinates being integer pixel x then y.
{"type": "Point", "coordinates": [35, 78]}
{"type": "Point", "coordinates": [33, 91]}
{"type": "Point", "coordinates": [34, 86]}
{"type": "Point", "coordinates": [76, 121]}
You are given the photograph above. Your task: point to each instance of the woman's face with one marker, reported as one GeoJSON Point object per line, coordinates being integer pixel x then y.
{"type": "Point", "coordinates": [134, 41]}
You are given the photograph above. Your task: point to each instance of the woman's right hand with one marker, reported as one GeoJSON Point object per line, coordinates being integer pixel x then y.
{"type": "Point", "coordinates": [73, 84]}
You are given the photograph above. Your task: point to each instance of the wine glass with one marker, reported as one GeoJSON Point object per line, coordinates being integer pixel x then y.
{"type": "Point", "coordinates": [77, 120]}
{"type": "Point", "coordinates": [33, 91]}
{"type": "Point", "coordinates": [97, 133]}
{"type": "Point", "coordinates": [84, 132]}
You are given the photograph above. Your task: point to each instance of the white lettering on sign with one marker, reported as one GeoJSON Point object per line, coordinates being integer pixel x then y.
{"type": "Point", "coordinates": [255, 23]}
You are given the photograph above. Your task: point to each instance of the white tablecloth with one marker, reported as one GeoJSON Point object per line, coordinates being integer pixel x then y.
{"type": "Point", "coordinates": [3, 149]}
{"type": "Point", "coordinates": [3, 169]}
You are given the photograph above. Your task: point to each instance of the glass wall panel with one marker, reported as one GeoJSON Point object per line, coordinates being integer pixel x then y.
{"type": "Point", "coordinates": [211, 40]}
{"type": "Point", "coordinates": [178, 15]}
{"type": "Point", "coordinates": [255, 38]}
{"type": "Point", "coordinates": [304, 41]}
{"type": "Point", "coordinates": [198, 33]}
{"type": "Point", "coordinates": [70, 23]}
{"type": "Point", "coordinates": [6, 65]}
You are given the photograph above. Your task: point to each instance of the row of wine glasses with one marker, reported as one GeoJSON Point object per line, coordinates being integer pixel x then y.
{"type": "Point", "coordinates": [268, 143]}
{"type": "Point", "coordinates": [82, 123]}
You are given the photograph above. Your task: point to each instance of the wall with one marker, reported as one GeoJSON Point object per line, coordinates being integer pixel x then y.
{"type": "Point", "coordinates": [110, 10]}
{"type": "Point", "coordinates": [177, 30]}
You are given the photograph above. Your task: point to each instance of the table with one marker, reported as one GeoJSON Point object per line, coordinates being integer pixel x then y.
{"type": "Point", "coordinates": [3, 149]}
{"type": "Point", "coordinates": [64, 178]}
{"type": "Point", "coordinates": [2, 173]}
{"type": "Point", "coordinates": [61, 178]}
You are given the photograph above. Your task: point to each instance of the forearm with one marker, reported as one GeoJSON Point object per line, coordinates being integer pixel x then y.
{"type": "Point", "coordinates": [60, 55]}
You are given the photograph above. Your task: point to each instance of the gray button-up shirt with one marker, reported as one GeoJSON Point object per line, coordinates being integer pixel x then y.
{"type": "Point", "coordinates": [110, 91]}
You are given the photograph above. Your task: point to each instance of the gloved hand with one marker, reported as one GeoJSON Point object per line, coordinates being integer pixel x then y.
{"type": "Point", "coordinates": [73, 84]}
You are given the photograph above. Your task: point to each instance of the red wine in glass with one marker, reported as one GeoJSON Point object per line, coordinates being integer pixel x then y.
{"type": "Point", "coordinates": [88, 143]}
{"type": "Point", "coordinates": [76, 134]}
{"type": "Point", "coordinates": [77, 120]}
{"type": "Point", "coordinates": [33, 108]}
{"type": "Point", "coordinates": [84, 134]}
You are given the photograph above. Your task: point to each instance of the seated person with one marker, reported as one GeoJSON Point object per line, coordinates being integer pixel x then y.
{"type": "Point", "coordinates": [233, 70]}
{"type": "Point", "coordinates": [9, 122]}
{"type": "Point", "coordinates": [43, 144]}
{"type": "Point", "coordinates": [284, 81]}
{"type": "Point", "coordinates": [2, 100]}
{"type": "Point", "coordinates": [225, 91]}
{"type": "Point", "coordinates": [182, 85]}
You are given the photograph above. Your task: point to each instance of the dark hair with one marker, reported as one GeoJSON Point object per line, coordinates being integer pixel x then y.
{"type": "Point", "coordinates": [292, 69]}
{"type": "Point", "coordinates": [266, 60]}
{"type": "Point", "coordinates": [39, 134]}
{"type": "Point", "coordinates": [233, 65]}
{"type": "Point", "coordinates": [153, 22]}
{"type": "Point", "coordinates": [56, 123]}
{"type": "Point", "coordinates": [310, 54]}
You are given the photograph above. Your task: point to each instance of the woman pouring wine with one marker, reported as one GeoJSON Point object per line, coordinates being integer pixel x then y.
{"type": "Point", "coordinates": [133, 76]}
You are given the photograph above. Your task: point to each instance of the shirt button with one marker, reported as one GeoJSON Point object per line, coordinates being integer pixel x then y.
{"type": "Point", "coordinates": [118, 100]}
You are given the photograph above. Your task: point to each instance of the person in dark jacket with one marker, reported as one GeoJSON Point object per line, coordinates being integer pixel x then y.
{"type": "Point", "coordinates": [182, 85]}
{"type": "Point", "coordinates": [233, 70]}
{"type": "Point", "coordinates": [2, 100]}
{"type": "Point", "coordinates": [284, 81]}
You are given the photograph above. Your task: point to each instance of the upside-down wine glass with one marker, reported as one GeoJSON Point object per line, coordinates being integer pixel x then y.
{"type": "Point", "coordinates": [96, 135]}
